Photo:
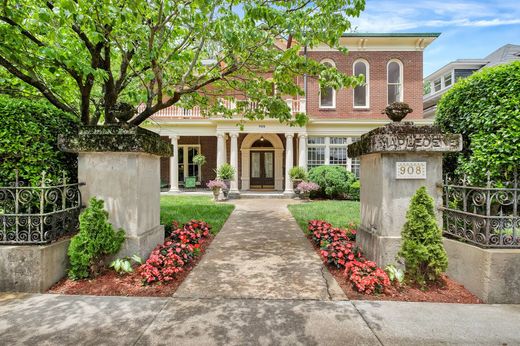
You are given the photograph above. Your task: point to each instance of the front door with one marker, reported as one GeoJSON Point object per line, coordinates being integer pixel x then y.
{"type": "Point", "coordinates": [262, 170]}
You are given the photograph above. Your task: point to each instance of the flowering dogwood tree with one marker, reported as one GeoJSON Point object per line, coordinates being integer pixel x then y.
{"type": "Point", "coordinates": [102, 58]}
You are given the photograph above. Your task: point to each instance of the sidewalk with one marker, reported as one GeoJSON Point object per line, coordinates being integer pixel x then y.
{"type": "Point", "coordinates": [81, 320]}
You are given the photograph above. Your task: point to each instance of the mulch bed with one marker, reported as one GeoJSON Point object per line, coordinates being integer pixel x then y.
{"type": "Point", "coordinates": [109, 283]}
{"type": "Point", "coordinates": [446, 291]}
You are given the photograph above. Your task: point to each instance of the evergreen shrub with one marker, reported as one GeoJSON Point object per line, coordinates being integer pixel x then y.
{"type": "Point", "coordinates": [334, 181]}
{"type": "Point", "coordinates": [422, 249]}
{"type": "Point", "coordinates": [95, 240]}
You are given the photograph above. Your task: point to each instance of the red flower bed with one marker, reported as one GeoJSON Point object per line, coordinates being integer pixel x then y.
{"type": "Point", "coordinates": [367, 277]}
{"type": "Point", "coordinates": [179, 249]}
{"type": "Point", "coordinates": [338, 253]}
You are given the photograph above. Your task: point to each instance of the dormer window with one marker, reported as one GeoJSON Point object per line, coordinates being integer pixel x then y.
{"type": "Point", "coordinates": [327, 94]}
{"type": "Point", "coordinates": [395, 81]}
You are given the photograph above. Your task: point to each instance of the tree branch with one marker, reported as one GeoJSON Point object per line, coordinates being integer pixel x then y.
{"type": "Point", "coordinates": [37, 84]}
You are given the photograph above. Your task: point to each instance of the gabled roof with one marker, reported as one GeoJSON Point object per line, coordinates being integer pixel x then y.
{"type": "Point", "coordinates": [392, 34]}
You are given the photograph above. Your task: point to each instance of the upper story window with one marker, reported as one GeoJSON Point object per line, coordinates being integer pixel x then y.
{"type": "Point", "coordinates": [437, 85]}
{"type": "Point", "coordinates": [447, 79]}
{"type": "Point", "coordinates": [395, 81]}
{"type": "Point", "coordinates": [361, 92]}
{"type": "Point", "coordinates": [328, 94]}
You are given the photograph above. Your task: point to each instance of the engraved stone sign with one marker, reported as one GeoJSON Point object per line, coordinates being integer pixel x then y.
{"type": "Point", "coordinates": [410, 170]}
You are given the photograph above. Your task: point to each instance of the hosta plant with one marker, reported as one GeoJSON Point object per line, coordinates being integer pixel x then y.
{"type": "Point", "coordinates": [124, 265]}
{"type": "Point", "coordinates": [366, 277]}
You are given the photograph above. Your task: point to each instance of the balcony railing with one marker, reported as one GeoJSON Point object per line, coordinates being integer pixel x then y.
{"type": "Point", "coordinates": [296, 106]}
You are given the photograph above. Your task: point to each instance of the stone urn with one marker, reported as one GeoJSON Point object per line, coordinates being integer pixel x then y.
{"type": "Point", "coordinates": [295, 183]}
{"type": "Point", "coordinates": [397, 111]}
{"type": "Point", "coordinates": [228, 187]}
{"type": "Point", "coordinates": [123, 112]}
{"type": "Point", "coordinates": [216, 192]}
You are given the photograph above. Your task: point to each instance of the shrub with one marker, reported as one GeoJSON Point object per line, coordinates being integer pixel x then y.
{"type": "Point", "coordinates": [366, 277]}
{"type": "Point", "coordinates": [334, 181]}
{"type": "Point", "coordinates": [124, 265]}
{"type": "Point", "coordinates": [29, 141]}
{"type": "Point", "coordinates": [298, 173]}
{"type": "Point", "coordinates": [424, 255]}
{"type": "Point", "coordinates": [96, 240]}
{"type": "Point", "coordinates": [340, 252]}
{"type": "Point", "coordinates": [484, 109]}
{"type": "Point", "coordinates": [354, 190]}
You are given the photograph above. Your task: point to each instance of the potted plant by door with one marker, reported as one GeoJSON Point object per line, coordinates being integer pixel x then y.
{"type": "Point", "coordinates": [306, 187]}
{"type": "Point", "coordinates": [297, 175]}
{"type": "Point", "coordinates": [226, 172]}
{"type": "Point", "coordinates": [215, 186]}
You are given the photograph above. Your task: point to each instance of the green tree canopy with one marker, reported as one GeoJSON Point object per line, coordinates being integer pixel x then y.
{"type": "Point", "coordinates": [485, 109]}
{"type": "Point", "coordinates": [98, 58]}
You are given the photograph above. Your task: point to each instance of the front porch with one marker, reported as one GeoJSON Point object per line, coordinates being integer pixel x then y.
{"type": "Point", "coordinates": [261, 160]}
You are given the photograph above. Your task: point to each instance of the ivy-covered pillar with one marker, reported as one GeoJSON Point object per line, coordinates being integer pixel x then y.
{"type": "Point", "coordinates": [396, 160]}
{"type": "Point", "coordinates": [121, 165]}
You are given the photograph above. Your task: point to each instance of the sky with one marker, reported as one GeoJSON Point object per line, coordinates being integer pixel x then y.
{"type": "Point", "coordinates": [470, 29]}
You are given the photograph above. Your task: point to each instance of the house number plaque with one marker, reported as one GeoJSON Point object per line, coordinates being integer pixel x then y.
{"type": "Point", "coordinates": [410, 170]}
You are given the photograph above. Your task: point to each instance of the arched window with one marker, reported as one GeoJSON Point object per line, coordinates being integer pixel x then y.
{"type": "Point", "coordinates": [395, 81]}
{"type": "Point", "coordinates": [362, 92]}
{"type": "Point", "coordinates": [328, 94]}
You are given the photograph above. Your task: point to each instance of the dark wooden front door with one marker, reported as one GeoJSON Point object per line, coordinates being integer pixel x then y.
{"type": "Point", "coordinates": [262, 170]}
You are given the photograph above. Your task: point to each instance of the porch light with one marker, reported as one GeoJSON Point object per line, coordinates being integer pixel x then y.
{"type": "Point", "coordinates": [262, 138]}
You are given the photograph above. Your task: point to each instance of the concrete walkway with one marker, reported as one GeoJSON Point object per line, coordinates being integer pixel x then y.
{"type": "Point", "coordinates": [261, 253]}
{"type": "Point", "coordinates": [260, 283]}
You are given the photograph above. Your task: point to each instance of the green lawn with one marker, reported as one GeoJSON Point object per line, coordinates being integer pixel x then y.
{"type": "Point", "coordinates": [338, 213]}
{"type": "Point", "coordinates": [185, 208]}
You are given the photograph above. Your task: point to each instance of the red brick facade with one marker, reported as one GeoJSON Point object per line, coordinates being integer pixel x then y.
{"type": "Point", "coordinates": [412, 84]}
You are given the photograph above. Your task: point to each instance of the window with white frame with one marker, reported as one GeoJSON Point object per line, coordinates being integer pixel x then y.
{"type": "Point", "coordinates": [361, 92]}
{"type": "Point", "coordinates": [331, 151]}
{"type": "Point", "coordinates": [187, 168]}
{"type": "Point", "coordinates": [355, 163]}
{"type": "Point", "coordinates": [315, 151]}
{"type": "Point", "coordinates": [327, 94]}
{"type": "Point", "coordinates": [338, 151]}
{"type": "Point", "coordinates": [395, 81]}
{"type": "Point", "coordinates": [447, 80]}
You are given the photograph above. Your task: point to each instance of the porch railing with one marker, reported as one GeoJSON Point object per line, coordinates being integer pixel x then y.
{"type": "Point", "coordinates": [486, 216]}
{"type": "Point", "coordinates": [296, 106]}
{"type": "Point", "coordinates": [38, 214]}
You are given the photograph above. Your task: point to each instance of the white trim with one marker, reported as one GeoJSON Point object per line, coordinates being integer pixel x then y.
{"type": "Point", "coordinates": [320, 106]}
{"type": "Point", "coordinates": [367, 85]}
{"type": "Point", "coordinates": [401, 78]}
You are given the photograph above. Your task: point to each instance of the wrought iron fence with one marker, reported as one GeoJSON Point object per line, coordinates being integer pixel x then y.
{"type": "Point", "coordinates": [486, 216]}
{"type": "Point", "coordinates": [38, 214]}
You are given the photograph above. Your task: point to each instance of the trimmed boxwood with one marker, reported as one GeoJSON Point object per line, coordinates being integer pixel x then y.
{"type": "Point", "coordinates": [28, 141]}
{"type": "Point", "coordinates": [485, 109]}
{"type": "Point", "coordinates": [334, 181]}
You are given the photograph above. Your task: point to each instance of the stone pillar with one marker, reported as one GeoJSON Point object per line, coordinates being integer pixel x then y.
{"type": "Point", "coordinates": [288, 163]}
{"type": "Point", "coordinates": [122, 167]}
{"type": "Point", "coordinates": [233, 158]}
{"type": "Point", "coordinates": [174, 165]}
{"type": "Point", "coordinates": [221, 149]}
{"type": "Point", "coordinates": [396, 160]}
{"type": "Point", "coordinates": [302, 146]}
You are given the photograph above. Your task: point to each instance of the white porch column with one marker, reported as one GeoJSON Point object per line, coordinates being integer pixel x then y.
{"type": "Point", "coordinates": [233, 160]}
{"type": "Point", "coordinates": [302, 146]}
{"type": "Point", "coordinates": [288, 163]}
{"type": "Point", "coordinates": [174, 165]}
{"type": "Point", "coordinates": [221, 149]}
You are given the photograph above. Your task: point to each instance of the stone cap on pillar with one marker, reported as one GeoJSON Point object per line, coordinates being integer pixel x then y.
{"type": "Point", "coordinates": [115, 138]}
{"type": "Point", "coordinates": [405, 137]}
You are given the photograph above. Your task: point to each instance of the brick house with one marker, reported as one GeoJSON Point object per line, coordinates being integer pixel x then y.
{"type": "Point", "coordinates": [264, 151]}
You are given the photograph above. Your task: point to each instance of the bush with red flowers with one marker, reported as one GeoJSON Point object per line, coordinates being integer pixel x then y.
{"type": "Point", "coordinates": [178, 250]}
{"type": "Point", "coordinates": [366, 277]}
{"type": "Point", "coordinates": [322, 231]}
{"type": "Point", "coordinates": [338, 253]}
